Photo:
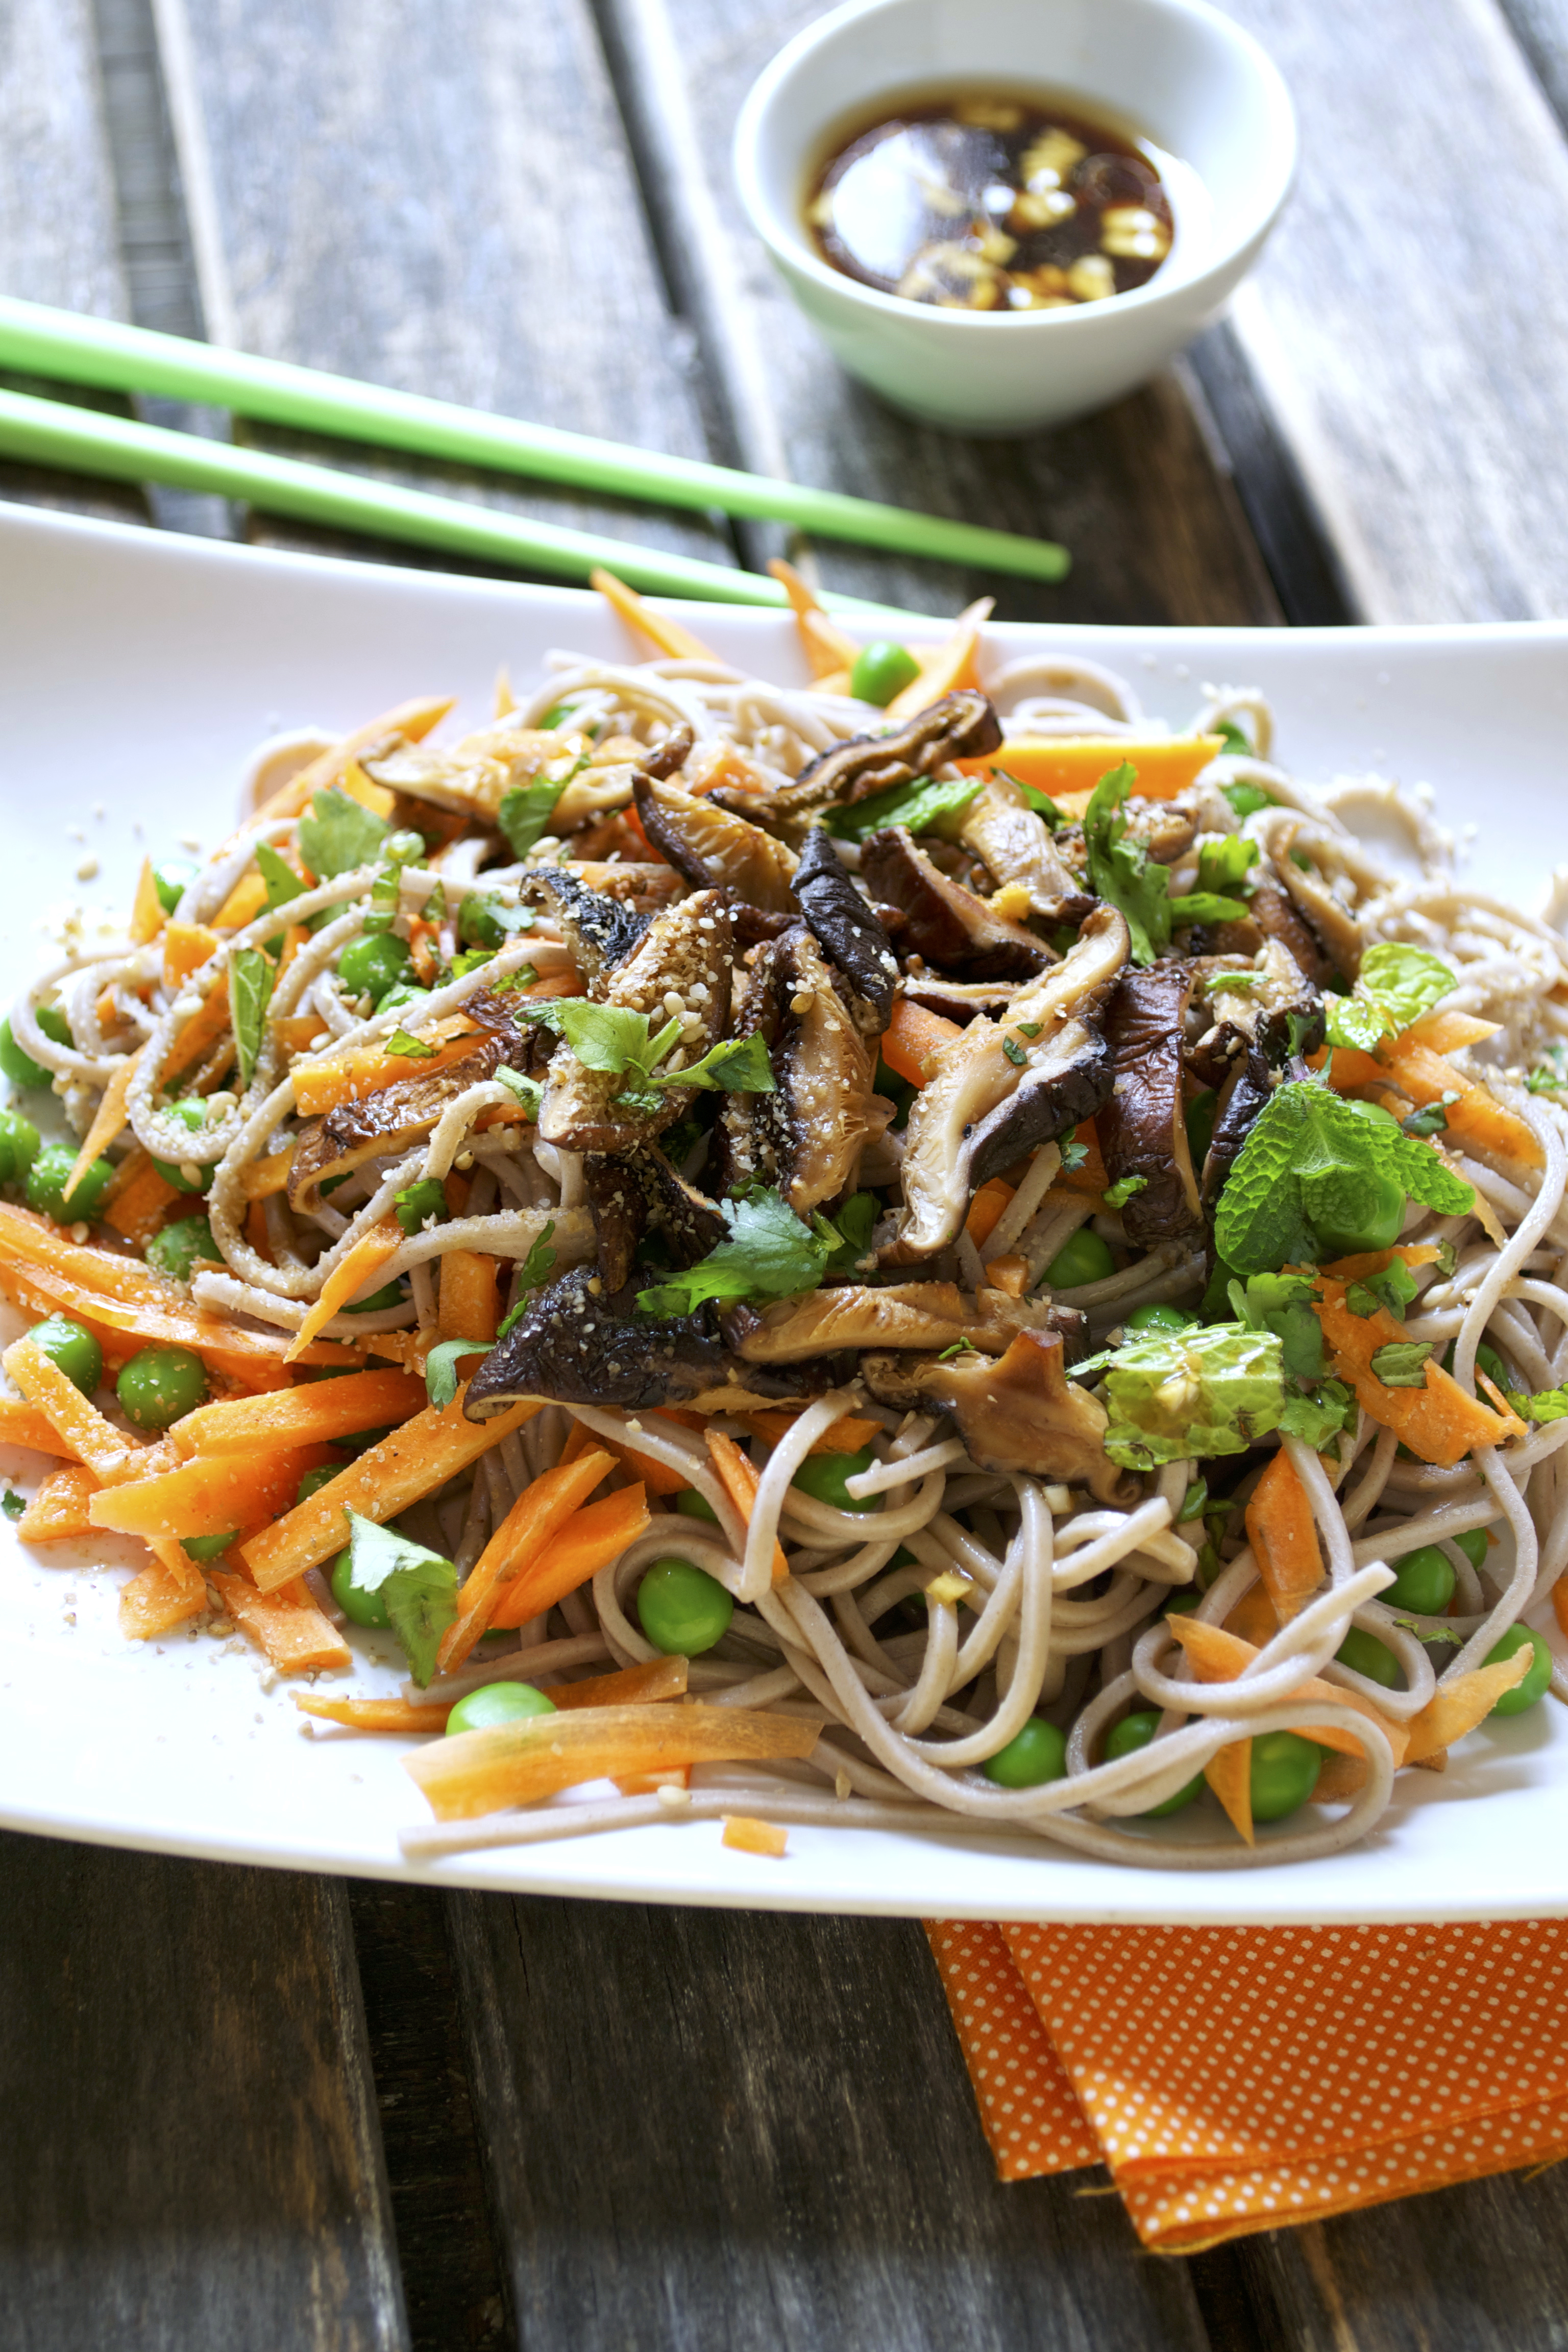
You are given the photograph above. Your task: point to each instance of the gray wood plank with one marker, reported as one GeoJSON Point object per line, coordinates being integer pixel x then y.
{"type": "Point", "coordinates": [191, 2157]}
{"type": "Point", "coordinates": [729, 2130]}
{"type": "Point", "coordinates": [1141, 495]}
{"type": "Point", "coordinates": [1408, 329]}
{"type": "Point", "coordinates": [440, 198]}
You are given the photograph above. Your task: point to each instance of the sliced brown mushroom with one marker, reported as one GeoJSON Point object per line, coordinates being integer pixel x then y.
{"type": "Point", "coordinates": [643, 887]}
{"type": "Point", "coordinates": [599, 930]}
{"type": "Point", "coordinates": [1014, 842]}
{"type": "Point", "coordinates": [581, 1344]}
{"type": "Point", "coordinates": [472, 777]}
{"type": "Point", "coordinates": [638, 1192]}
{"type": "Point", "coordinates": [807, 1137]}
{"type": "Point", "coordinates": [1142, 1130]}
{"type": "Point", "coordinates": [847, 931]}
{"type": "Point", "coordinates": [1317, 907]}
{"type": "Point", "coordinates": [1241, 1097]}
{"type": "Point", "coordinates": [1270, 916]}
{"type": "Point", "coordinates": [943, 922]}
{"type": "Point", "coordinates": [1016, 1412]}
{"type": "Point", "coordinates": [1002, 1089]}
{"type": "Point", "coordinates": [1274, 1007]}
{"type": "Point", "coordinates": [896, 1314]}
{"type": "Point", "coordinates": [961, 726]}
{"type": "Point", "coordinates": [683, 957]}
{"type": "Point", "coordinates": [959, 1000]}
{"type": "Point", "coordinates": [713, 848]}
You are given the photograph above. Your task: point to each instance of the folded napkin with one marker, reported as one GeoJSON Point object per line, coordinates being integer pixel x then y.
{"type": "Point", "coordinates": [1241, 2078]}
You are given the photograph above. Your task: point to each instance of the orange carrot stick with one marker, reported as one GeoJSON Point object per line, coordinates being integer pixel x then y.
{"type": "Point", "coordinates": [1066, 764]}
{"type": "Point", "coordinates": [945, 667]}
{"type": "Point", "coordinates": [186, 946]}
{"type": "Point", "coordinates": [356, 1271]}
{"type": "Point", "coordinates": [912, 1037]}
{"type": "Point", "coordinates": [412, 719]}
{"type": "Point", "coordinates": [92, 1438]}
{"type": "Point", "coordinates": [376, 1714]}
{"type": "Point", "coordinates": [60, 1508]}
{"type": "Point", "coordinates": [1220, 1657]}
{"type": "Point", "coordinates": [201, 1031]}
{"type": "Point", "coordinates": [156, 1602]}
{"type": "Point", "coordinates": [538, 1513]}
{"type": "Point", "coordinates": [1284, 1538]}
{"type": "Point", "coordinates": [210, 1496]}
{"type": "Point", "coordinates": [747, 1836]}
{"type": "Point", "coordinates": [107, 1121]}
{"type": "Point", "coordinates": [312, 1415]}
{"type": "Point", "coordinates": [662, 1678]}
{"type": "Point", "coordinates": [413, 1461]}
{"type": "Point", "coordinates": [24, 1424]}
{"type": "Point", "coordinates": [828, 648]}
{"type": "Point", "coordinates": [468, 1307]}
{"type": "Point", "coordinates": [985, 1210]}
{"type": "Point", "coordinates": [321, 1086]}
{"type": "Point", "coordinates": [845, 1435]}
{"type": "Point", "coordinates": [1230, 1774]}
{"type": "Point", "coordinates": [1477, 1119]}
{"type": "Point", "coordinates": [296, 1641]}
{"type": "Point", "coordinates": [741, 1483]}
{"type": "Point", "coordinates": [147, 918]}
{"type": "Point", "coordinates": [675, 640]}
{"type": "Point", "coordinates": [1438, 1421]}
{"type": "Point", "coordinates": [138, 1201]}
{"type": "Point", "coordinates": [519, 1762]}
{"type": "Point", "coordinates": [592, 1537]}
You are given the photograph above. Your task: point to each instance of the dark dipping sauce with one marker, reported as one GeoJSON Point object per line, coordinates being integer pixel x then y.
{"type": "Point", "coordinates": [991, 202]}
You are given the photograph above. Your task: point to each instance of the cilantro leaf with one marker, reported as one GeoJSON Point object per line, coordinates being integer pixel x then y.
{"type": "Point", "coordinates": [419, 1588]}
{"type": "Point", "coordinates": [1116, 1195]}
{"type": "Point", "coordinates": [441, 1368]}
{"type": "Point", "coordinates": [12, 1504]}
{"type": "Point", "coordinates": [1182, 1395]}
{"type": "Point", "coordinates": [1433, 1118]}
{"type": "Point", "coordinates": [1121, 870]}
{"type": "Point", "coordinates": [1041, 802]}
{"type": "Point", "coordinates": [1074, 1154]}
{"type": "Point", "coordinates": [769, 1254]}
{"type": "Point", "coordinates": [526, 809]}
{"type": "Point", "coordinates": [1222, 864]}
{"type": "Point", "coordinates": [736, 1066]}
{"type": "Point", "coordinates": [1402, 1364]}
{"type": "Point", "coordinates": [1549, 1076]}
{"type": "Point", "coordinates": [1394, 1288]}
{"type": "Point", "coordinates": [927, 806]}
{"type": "Point", "coordinates": [854, 1222]}
{"type": "Point", "coordinates": [535, 1269]}
{"type": "Point", "coordinates": [339, 835]}
{"type": "Point", "coordinates": [610, 1038]}
{"type": "Point", "coordinates": [410, 1049]}
{"type": "Point", "coordinates": [1204, 906]}
{"type": "Point", "coordinates": [1307, 1146]}
{"type": "Point", "coordinates": [250, 977]}
{"type": "Point", "coordinates": [528, 1091]}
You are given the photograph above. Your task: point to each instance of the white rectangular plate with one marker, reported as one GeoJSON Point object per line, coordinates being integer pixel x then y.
{"type": "Point", "coordinates": [139, 671]}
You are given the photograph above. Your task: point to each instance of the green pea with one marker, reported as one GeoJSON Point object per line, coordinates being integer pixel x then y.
{"type": "Point", "coordinates": [314, 1480]}
{"type": "Point", "coordinates": [72, 1348]}
{"type": "Point", "coordinates": [481, 921]}
{"type": "Point", "coordinates": [1349, 1218]}
{"type": "Point", "coordinates": [1533, 1687]}
{"type": "Point", "coordinates": [370, 967]}
{"type": "Point", "coordinates": [1199, 1118]}
{"type": "Point", "coordinates": [200, 1547]}
{"type": "Point", "coordinates": [360, 1608]}
{"type": "Point", "coordinates": [497, 1703]}
{"type": "Point", "coordinates": [1038, 1753]}
{"type": "Point", "coordinates": [20, 1067]}
{"type": "Point", "coordinates": [1366, 1654]}
{"type": "Point", "coordinates": [160, 1385]}
{"type": "Point", "coordinates": [175, 1250]}
{"type": "Point", "coordinates": [881, 670]}
{"type": "Point", "coordinates": [1135, 1732]}
{"type": "Point", "coordinates": [1423, 1582]}
{"type": "Point", "coordinates": [682, 1608]}
{"type": "Point", "coordinates": [417, 1203]}
{"type": "Point", "coordinates": [694, 1505]}
{"type": "Point", "coordinates": [390, 1295]}
{"type": "Point", "coordinates": [1475, 1543]}
{"type": "Point", "coordinates": [171, 880]}
{"type": "Point", "coordinates": [50, 1173]}
{"type": "Point", "coordinates": [406, 992]}
{"type": "Point", "coordinates": [191, 1112]}
{"type": "Point", "coordinates": [1285, 1771]}
{"type": "Point", "coordinates": [823, 1476]}
{"type": "Point", "coordinates": [1159, 1318]}
{"type": "Point", "coordinates": [18, 1146]}
{"type": "Point", "coordinates": [1083, 1257]}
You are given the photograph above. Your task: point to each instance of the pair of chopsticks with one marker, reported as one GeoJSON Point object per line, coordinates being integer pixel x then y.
{"type": "Point", "coordinates": [100, 352]}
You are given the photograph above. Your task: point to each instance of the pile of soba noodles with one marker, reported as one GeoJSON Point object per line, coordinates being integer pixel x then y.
{"type": "Point", "coordinates": [981, 1063]}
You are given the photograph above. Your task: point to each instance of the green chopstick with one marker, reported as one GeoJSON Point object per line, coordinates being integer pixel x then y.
{"type": "Point", "coordinates": [83, 440]}
{"type": "Point", "coordinates": [81, 350]}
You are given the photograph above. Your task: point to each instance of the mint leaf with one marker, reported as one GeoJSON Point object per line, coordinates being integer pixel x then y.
{"type": "Point", "coordinates": [1320, 1416]}
{"type": "Point", "coordinates": [927, 806]}
{"type": "Point", "coordinates": [1355, 1023]}
{"type": "Point", "coordinates": [1405, 980]}
{"type": "Point", "coordinates": [1116, 1195]}
{"type": "Point", "coordinates": [1121, 870]}
{"type": "Point", "coordinates": [769, 1254]}
{"type": "Point", "coordinates": [419, 1588]}
{"type": "Point", "coordinates": [1305, 1145]}
{"type": "Point", "coordinates": [525, 813]}
{"type": "Point", "coordinates": [528, 1091]}
{"type": "Point", "coordinates": [339, 835]}
{"type": "Point", "coordinates": [250, 979]}
{"type": "Point", "coordinates": [441, 1368]}
{"type": "Point", "coordinates": [1183, 1395]}
{"type": "Point", "coordinates": [1402, 1364]}
{"type": "Point", "coordinates": [410, 1049]}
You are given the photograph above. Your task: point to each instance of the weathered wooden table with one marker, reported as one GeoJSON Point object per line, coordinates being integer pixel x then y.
{"type": "Point", "coordinates": [245, 2109]}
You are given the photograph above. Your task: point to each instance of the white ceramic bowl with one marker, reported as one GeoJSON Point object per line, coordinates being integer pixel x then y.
{"type": "Point", "coordinates": [1177, 70]}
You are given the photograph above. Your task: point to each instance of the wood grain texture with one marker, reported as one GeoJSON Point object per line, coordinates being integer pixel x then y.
{"type": "Point", "coordinates": [191, 2157]}
{"type": "Point", "coordinates": [1138, 494]}
{"type": "Point", "coordinates": [1408, 336]}
{"type": "Point", "coordinates": [730, 2130]}
{"type": "Point", "coordinates": [437, 197]}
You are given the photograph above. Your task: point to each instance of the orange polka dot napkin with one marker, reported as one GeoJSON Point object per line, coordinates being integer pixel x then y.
{"type": "Point", "coordinates": [1240, 2078]}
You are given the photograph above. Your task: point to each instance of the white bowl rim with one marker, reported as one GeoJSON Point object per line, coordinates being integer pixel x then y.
{"type": "Point", "coordinates": [1278, 145]}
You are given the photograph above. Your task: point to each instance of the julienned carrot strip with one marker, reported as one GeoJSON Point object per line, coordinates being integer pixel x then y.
{"type": "Point", "coordinates": [147, 917]}
{"type": "Point", "coordinates": [374, 1714]}
{"type": "Point", "coordinates": [356, 1271]}
{"type": "Point", "coordinates": [845, 1435]}
{"type": "Point", "coordinates": [519, 1762]}
{"type": "Point", "coordinates": [201, 1032]}
{"type": "Point", "coordinates": [107, 1121]}
{"type": "Point", "coordinates": [156, 1602]}
{"type": "Point", "coordinates": [1437, 1421]}
{"type": "Point", "coordinates": [413, 1461]}
{"type": "Point", "coordinates": [1230, 1774]}
{"type": "Point", "coordinates": [177, 1565]}
{"type": "Point", "coordinates": [412, 719]}
{"type": "Point", "coordinates": [138, 1202]}
{"type": "Point", "coordinates": [656, 1477]}
{"type": "Point", "coordinates": [985, 1210]}
{"type": "Point", "coordinates": [107, 1454]}
{"type": "Point", "coordinates": [24, 1424]}
{"type": "Point", "coordinates": [241, 1354]}
{"type": "Point", "coordinates": [671, 639]}
{"type": "Point", "coordinates": [296, 1641]}
{"type": "Point", "coordinates": [1476, 1118]}
{"type": "Point", "coordinates": [468, 1307]}
{"type": "Point", "coordinates": [943, 666]}
{"type": "Point", "coordinates": [740, 1482]}
{"type": "Point", "coordinates": [659, 1678]}
{"type": "Point", "coordinates": [592, 1537]}
{"type": "Point", "coordinates": [1091, 1175]}
{"type": "Point", "coordinates": [212, 1496]}
{"type": "Point", "coordinates": [538, 1513]}
{"type": "Point", "coordinates": [1220, 1657]}
{"type": "Point", "coordinates": [244, 903]}
{"type": "Point", "coordinates": [745, 1834]}
{"type": "Point", "coordinates": [1458, 1703]}
{"type": "Point", "coordinates": [312, 1415]}
{"type": "Point", "coordinates": [912, 1036]}
{"type": "Point", "coordinates": [1445, 1033]}
{"type": "Point", "coordinates": [321, 1086]}
{"type": "Point", "coordinates": [186, 946]}
{"type": "Point", "coordinates": [1075, 763]}
{"type": "Point", "coordinates": [828, 648]}
{"type": "Point", "coordinates": [259, 1178]}
{"type": "Point", "coordinates": [60, 1508]}
{"type": "Point", "coordinates": [359, 787]}
{"type": "Point", "coordinates": [1284, 1538]}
